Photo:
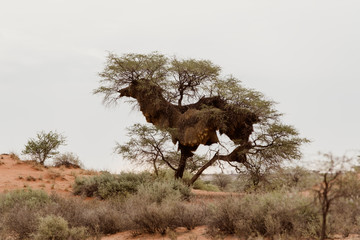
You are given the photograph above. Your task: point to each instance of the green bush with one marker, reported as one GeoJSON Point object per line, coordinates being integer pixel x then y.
{"type": "Point", "coordinates": [30, 198]}
{"type": "Point", "coordinates": [160, 190]}
{"type": "Point", "coordinates": [20, 210]}
{"type": "Point", "coordinates": [56, 228]}
{"type": "Point", "coordinates": [52, 227]}
{"type": "Point", "coordinates": [201, 185]}
{"type": "Point", "coordinates": [109, 185]}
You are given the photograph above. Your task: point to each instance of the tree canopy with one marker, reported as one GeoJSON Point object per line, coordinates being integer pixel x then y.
{"type": "Point", "coordinates": [44, 146]}
{"type": "Point", "coordinates": [192, 101]}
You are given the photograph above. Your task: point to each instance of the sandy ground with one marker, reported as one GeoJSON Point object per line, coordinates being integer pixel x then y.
{"type": "Point", "coordinates": [17, 174]}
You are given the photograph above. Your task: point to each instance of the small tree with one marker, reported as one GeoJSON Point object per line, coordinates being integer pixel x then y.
{"type": "Point", "coordinates": [152, 146]}
{"type": "Point", "coordinates": [333, 187]}
{"type": "Point", "coordinates": [44, 146]}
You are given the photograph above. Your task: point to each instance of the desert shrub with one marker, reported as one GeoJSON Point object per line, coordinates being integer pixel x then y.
{"type": "Point", "coordinates": [206, 186]}
{"type": "Point", "coordinates": [20, 210]}
{"type": "Point", "coordinates": [21, 213]}
{"type": "Point", "coordinates": [152, 217]}
{"type": "Point", "coordinates": [287, 179]}
{"type": "Point", "coordinates": [69, 160]}
{"type": "Point", "coordinates": [222, 180]}
{"type": "Point", "coordinates": [78, 233]}
{"type": "Point", "coordinates": [266, 215]}
{"type": "Point", "coordinates": [109, 185]}
{"type": "Point", "coordinates": [97, 216]}
{"type": "Point", "coordinates": [191, 215]}
{"type": "Point", "coordinates": [14, 156]}
{"type": "Point", "coordinates": [159, 206]}
{"type": "Point", "coordinates": [52, 227]}
{"type": "Point", "coordinates": [159, 191]}
{"type": "Point", "coordinates": [30, 198]}
{"type": "Point", "coordinates": [21, 221]}
{"type": "Point", "coordinates": [56, 228]}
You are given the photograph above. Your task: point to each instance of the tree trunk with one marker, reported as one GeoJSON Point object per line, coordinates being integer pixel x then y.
{"type": "Point", "coordinates": [155, 168]}
{"type": "Point", "coordinates": [323, 227]}
{"type": "Point", "coordinates": [185, 154]}
{"type": "Point", "coordinates": [202, 169]}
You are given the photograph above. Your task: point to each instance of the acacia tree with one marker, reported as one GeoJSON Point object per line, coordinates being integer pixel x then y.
{"type": "Point", "coordinates": [149, 145]}
{"type": "Point", "coordinates": [44, 146]}
{"type": "Point", "coordinates": [192, 102]}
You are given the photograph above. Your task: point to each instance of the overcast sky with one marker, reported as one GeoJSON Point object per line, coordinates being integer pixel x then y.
{"type": "Point", "coordinates": [303, 54]}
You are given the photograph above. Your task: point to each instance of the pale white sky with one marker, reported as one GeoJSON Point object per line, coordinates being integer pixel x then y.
{"type": "Point", "coordinates": [303, 54]}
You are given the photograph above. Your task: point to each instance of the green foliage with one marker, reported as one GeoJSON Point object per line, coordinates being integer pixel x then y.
{"type": "Point", "coordinates": [206, 186]}
{"type": "Point", "coordinates": [160, 190]}
{"type": "Point", "coordinates": [20, 209]}
{"type": "Point", "coordinates": [148, 145]}
{"type": "Point", "coordinates": [56, 228]}
{"type": "Point", "coordinates": [120, 71]}
{"type": "Point", "coordinates": [44, 146]}
{"type": "Point", "coordinates": [29, 198]}
{"type": "Point", "coordinates": [153, 147]}
{"type": "Point", "coordinates": [109, 185]}
{"type": "Point", "coordinates": [190, 101]}
{"type": "Point", "coordinates": [52, 227]}
{"type": "Point", "coordinates": [69, 160]}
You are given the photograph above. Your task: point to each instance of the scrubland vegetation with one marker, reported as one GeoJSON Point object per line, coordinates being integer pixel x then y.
{"type": "Point", "coordinates": [188, 103]}
{"type": "Point", "coordinates": [284, 206]}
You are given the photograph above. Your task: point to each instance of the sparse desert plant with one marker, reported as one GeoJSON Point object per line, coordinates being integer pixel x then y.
{"type": "Point", "coordinates": [206, 186]}
{"type": "Point", "coordinates": [2, 163]}
{"type": "Point", "coordinates": [29, 197]}
{"type": "Point", "coordinates": [266, 215]}
{"type": "Point", "coordinates": [105, 217]}
{"type": "Point", "coordinates": [109, 185]}
{"type": "Point", "coordinates": [30, 178]}
{"type": "Point", "coordinates": [56, 228]}
{"type": "Point", "coordinates": [222, 180]}
{"type": "Point", "coordinates": [151, 217]}
{"type": "Point", "coordinates": [159, 191]}
{"type": "Point", "coordinates": [44, 146]}
{"type": "Point", "coordinates": [36, 165]}
{"type": "Point", "coordinates": [14, 156]}
{"type": "Point", "coordinates": [69, 160]}
{"type": "Point", "coordinates": [191, 215]}
{"type": "Point", "coordinates": [21, 220]}
{"type": "Point", "coordinates": [54, 174]}
{"type": "Point", "coordinates": [20, 209]}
